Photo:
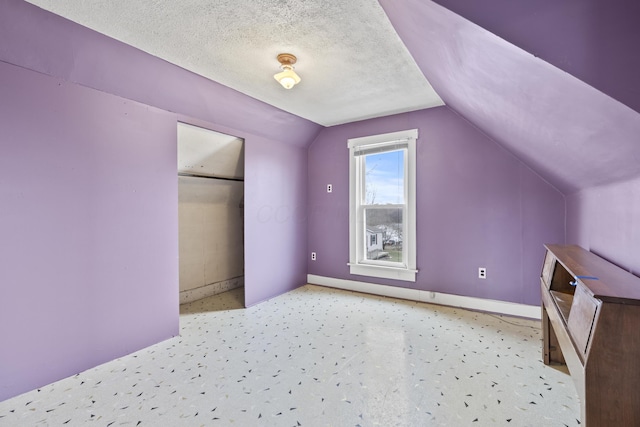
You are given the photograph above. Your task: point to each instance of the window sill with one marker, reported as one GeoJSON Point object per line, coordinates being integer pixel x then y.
{"type": "Point", "coordinates": [383, 272]}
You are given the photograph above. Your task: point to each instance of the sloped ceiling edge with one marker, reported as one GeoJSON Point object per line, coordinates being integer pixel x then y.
{"type": "Point", "coordinates": [594, 40]}
{"type": "Point", "coordinates": [568, 132]}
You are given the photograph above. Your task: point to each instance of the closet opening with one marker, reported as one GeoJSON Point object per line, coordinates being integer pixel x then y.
{"type": "Point", "coordinates": [210, 212]}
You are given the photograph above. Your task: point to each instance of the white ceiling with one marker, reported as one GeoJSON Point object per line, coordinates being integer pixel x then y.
{"type": "Point", "coordinates": [352, 63]}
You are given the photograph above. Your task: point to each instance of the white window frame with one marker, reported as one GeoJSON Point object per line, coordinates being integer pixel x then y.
{"type": "Point", "coordinates": [358, 263]}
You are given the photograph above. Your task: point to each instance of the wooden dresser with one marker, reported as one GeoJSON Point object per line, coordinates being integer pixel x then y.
{"type": "Point", "coordinates": [591, 323]}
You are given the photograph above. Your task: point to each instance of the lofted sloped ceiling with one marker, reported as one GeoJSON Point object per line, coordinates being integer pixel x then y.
{"type": "Point", "coordinates": [569, 132]}
{"type": "Point", "coordinates": [574, 122]}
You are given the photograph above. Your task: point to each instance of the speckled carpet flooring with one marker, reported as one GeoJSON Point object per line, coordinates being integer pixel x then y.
{"type": "Point", "coordinates": [318, 357]}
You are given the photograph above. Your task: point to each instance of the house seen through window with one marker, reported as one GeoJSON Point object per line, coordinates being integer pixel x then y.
{"type": "Point", "coordinates": [384, 204]}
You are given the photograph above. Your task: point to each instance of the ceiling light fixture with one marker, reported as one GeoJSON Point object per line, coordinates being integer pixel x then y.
{"type": "Point", "coordinates": [287, 78]}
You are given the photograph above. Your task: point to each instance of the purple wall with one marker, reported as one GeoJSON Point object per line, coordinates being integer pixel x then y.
{"type": "Point", "coordinates": [577, 138]}
{"type": "Point", "coordinates": [89, 194]}
{"type": "Point", "coordinates": [88, 225]}
{"type": "Point", "coordinates": [606, 220]}
{"type": "Point", "coordinates": [275, 219]}
{"type": "Point", "coordinates": [594, 40]}
{"type": "Point", "coordinates": [477, 206]}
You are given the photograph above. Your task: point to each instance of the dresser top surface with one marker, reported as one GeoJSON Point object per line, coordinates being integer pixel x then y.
{"type": "Point", "coordinates": [611, 283]}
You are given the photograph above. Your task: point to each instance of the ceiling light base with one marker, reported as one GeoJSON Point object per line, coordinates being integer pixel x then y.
{"type": "Point", "coordinates": [287, 59]}
{"type": "Point", "coordinates": [287, 78]}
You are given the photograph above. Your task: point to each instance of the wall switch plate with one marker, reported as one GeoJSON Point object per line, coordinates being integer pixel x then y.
{"type": "Point", "coordinates": [313, 256]}
{"type": "Point", "coordinates": [329, 188]}
{"type": "Point", "coordinates": [482, 273]}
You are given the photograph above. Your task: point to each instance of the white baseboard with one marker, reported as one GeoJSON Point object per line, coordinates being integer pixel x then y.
{"type": "Point", "coordinates": [480, 304]}
{"type": "Point", "coordinates": [210, 289]}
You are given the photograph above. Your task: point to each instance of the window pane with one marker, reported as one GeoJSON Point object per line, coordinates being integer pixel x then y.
{"type": "Point", "coordinates": [384, 234]}
{"type": "Point", "coordinates": [384, 178]}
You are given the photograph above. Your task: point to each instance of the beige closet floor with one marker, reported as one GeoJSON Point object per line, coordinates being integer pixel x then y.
{"type": "Point", "coordinates": [318, 357]}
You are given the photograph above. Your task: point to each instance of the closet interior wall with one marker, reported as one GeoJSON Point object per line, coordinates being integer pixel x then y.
{"type": "Point", "coordinates": [210, 212]}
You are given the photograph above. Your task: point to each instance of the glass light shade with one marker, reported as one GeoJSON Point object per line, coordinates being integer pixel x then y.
{"type": "Point", "coordinates": [287, 78]}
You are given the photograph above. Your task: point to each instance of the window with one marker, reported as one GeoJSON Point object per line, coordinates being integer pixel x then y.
{"type": "Point", "coordinates": [382, 205]}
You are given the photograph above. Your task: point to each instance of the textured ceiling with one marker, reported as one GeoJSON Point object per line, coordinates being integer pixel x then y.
{"type": "Point", "coordinates": [352, 63]}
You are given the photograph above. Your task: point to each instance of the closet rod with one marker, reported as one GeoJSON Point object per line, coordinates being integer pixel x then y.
{"type": "Point", "coordinates": [210, 177]}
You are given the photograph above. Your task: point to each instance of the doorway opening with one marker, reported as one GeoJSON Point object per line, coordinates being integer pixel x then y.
{"type": "Point", "coordinates": [210, 212]}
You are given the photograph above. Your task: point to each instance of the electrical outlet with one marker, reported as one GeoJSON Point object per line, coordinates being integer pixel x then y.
{"type": "Point", "coordinates": [329, 188]}
{"type": "Point", "coordinates": [482, 273]}
{"type": "Point", "coordinates": [313, 256]}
